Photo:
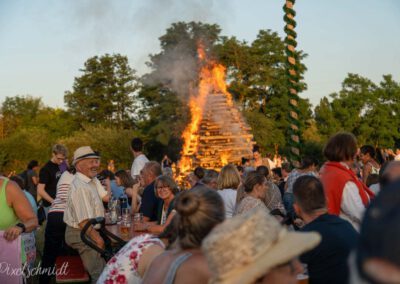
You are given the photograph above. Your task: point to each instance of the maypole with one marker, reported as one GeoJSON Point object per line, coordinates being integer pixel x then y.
{"type": "Point", "coordinates": [293, 74]}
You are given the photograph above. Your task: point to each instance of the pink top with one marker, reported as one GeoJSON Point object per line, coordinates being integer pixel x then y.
{"type": "Point", "coordinates": [10, 260]}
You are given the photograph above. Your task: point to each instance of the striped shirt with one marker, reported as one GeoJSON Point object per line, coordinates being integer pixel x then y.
{"type": "Point", "coordinates": [84, 201]}
{"type": "Point", "coordinates": [60, 202]}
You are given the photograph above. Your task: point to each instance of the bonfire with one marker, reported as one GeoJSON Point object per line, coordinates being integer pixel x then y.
{"type": "Point", "coordinates": [217, 133]}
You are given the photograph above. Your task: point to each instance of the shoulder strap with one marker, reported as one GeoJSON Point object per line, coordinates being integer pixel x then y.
{"type": "Point", "coordinates": [5, 181]}
{"type": "Point", "coordinates": [3, 188]}
{"type": "Point", "coordinates": [169, 279]}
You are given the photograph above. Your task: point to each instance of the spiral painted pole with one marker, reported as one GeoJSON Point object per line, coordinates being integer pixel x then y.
{"type": "Point", "coordinates": [293, 75]}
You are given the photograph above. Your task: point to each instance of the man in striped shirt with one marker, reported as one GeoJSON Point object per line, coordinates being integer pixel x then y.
{"type": "Point", "coordinates": [84, 203]}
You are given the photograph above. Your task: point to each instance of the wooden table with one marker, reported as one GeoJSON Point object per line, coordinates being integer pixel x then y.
{"type": "Point", "coordinates": [116, 230]}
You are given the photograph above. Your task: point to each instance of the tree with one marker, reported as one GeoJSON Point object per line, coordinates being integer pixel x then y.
{"type": "Point", "coordinates": [164, 116]}
{"type": "Point", "coordinates": [105, 92]}
{"type": "Point", "coordinates": [264, 131]}
{"type": "Point", "coordinates": [368, 110]}
{"type": "Point", "coordinates": [325, 119]}
{"type": "Point", "coordinates": [258, 81]}
{"type": "Point", "coordinates": [27, 112]}
{"type": "Point", "coordinates": [237, 58]}
{"type": "Point", "coordinates": [23, 145]}
{"type": "Point", "coordinates": [112, 143]}
{"type": "Point", "coordinates": [19, 111]}
{"type": "Point", "coordinates": [381, 120]}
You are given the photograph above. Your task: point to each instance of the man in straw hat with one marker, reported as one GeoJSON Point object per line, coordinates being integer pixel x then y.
{"type": "Point", "coordinates": [254, 248]}
{"type": "Point", "coordinates": [84, 203]}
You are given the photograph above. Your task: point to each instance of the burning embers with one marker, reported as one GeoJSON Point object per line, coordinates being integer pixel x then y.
{"type": "Point", "coordinates": [217, 133]}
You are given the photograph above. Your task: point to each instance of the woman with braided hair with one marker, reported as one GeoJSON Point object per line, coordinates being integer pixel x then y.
{"type": "Point", "coordinates": [198, 211]}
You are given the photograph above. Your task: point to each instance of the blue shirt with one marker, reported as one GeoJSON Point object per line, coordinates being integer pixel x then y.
{"type": "Point", "coordinates": [116, 190]}
{"type": "Point", "coordinates": [31, 201]}
{"type": "Point", "coordinates": [327, 263]}
{"type": "Point", "coordinates": [150, 202]}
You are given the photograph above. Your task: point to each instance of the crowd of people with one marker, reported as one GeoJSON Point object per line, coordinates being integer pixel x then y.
{"type": "Point", "coordinates": [257, 222]}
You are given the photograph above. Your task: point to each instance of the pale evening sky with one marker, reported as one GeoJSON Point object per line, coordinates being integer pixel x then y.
{"type": "Point", "coordinates": [44, 43]}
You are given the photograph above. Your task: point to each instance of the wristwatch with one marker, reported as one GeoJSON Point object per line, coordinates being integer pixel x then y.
{"type": "Point", "coordinates": [22, 226]}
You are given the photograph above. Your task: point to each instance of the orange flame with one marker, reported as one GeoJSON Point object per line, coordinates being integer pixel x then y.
{"type": "Point", "coordinates": [224, 158]}
{"type": "Point", "coordinates": [201, 53]}
{"type": "Point", "coordinates": [212, 80]}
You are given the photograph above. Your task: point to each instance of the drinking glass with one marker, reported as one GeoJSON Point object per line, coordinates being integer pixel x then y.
{"type": "Point", "coordinates": [107, 217]}
{"type": "Point", "coordinates": [138, 218]}
{"type": "Point", "coordinates": [112, 208]}
{"type": "Point", "coordinates": [118, 210]}
{"type": "Point", "coordinates": [139, 224]}
{"type": "Point", "coordinates": [125, 227]}
{"type": "Point", "coordinates": [126, 214]}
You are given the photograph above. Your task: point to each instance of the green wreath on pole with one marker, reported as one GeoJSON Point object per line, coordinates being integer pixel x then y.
{"type": "Point", "coordinates": [293, 75]}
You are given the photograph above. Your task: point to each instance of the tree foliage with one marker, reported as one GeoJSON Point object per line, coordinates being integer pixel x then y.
{"type": "Point", "coordinates": [370, 111]}
{"type": "Point", "coordinates": [19, 111]}
{"type": "Point", "coordinates": [111, 142]}
{"type": "Point", "coordinates": [104, 94]}
{"type": "Point", "coordinates": [259, 83]}
{"type": "Point", "coordinates": [24, 145]}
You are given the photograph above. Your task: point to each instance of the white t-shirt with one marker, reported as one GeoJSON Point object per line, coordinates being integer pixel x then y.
{"type": "Point", "coordinates": [229, 197]}
{"type": "Point", "coordinates": [138, 164]}
{"type": "Point", "coordinates": [271, 164]}
{"type": "Point", "coordinates": [352, 208]}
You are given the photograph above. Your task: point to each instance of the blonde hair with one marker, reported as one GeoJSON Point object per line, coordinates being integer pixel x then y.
{"type": "Point", "coordinates": [229, 177]}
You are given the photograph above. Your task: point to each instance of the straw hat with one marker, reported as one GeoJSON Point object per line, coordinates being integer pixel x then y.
{"type": "Point", "coordinates": [245, 247]}
{"type": "Point", "coordinates": [84, 152]}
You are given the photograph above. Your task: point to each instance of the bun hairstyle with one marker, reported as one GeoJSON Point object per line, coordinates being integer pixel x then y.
{"type": "Point", "coordinates": [199, 210]}
{"type": "Point", "coordinates": [188, 204]}
{"type": "Point", "coordinates": [252, 179]}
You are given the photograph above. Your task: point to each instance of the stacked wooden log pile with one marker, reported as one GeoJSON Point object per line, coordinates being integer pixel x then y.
{"type": "Point", "coordinates": [223, 136]}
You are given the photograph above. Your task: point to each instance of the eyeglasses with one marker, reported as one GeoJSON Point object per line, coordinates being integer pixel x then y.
{"type": "Point", "coordinates": [163, 187]}
{"type": "Point", "coordinates": [62, 158]}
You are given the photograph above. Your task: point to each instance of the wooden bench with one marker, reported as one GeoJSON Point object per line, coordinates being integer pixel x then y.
{"type": "Point", "coordinates": [75, 272]}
